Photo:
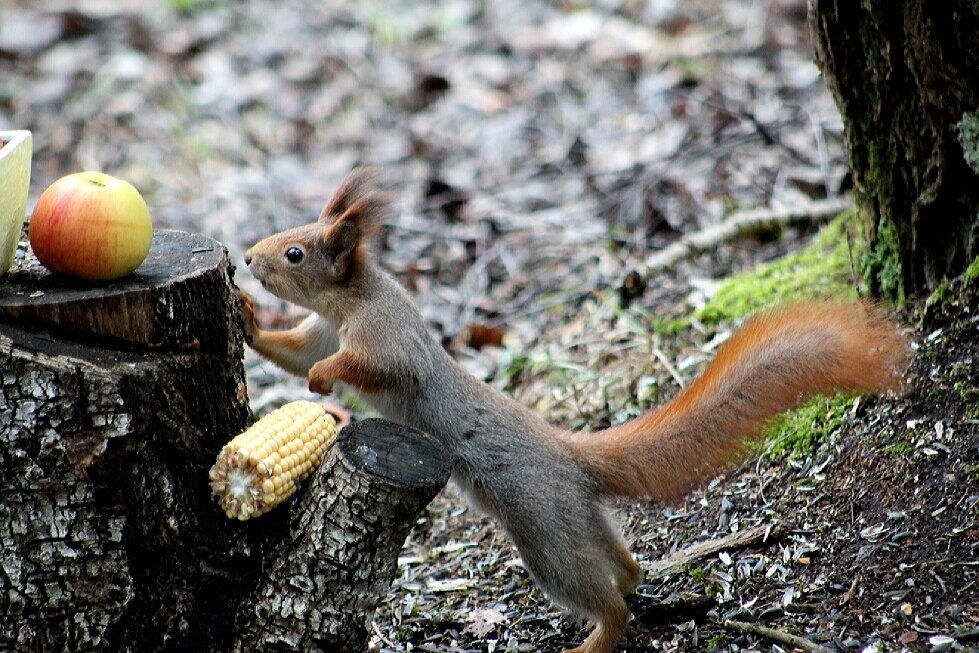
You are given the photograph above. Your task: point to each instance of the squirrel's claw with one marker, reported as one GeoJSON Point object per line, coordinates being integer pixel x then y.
{"type": "Point", "coordinates": [320, 387]}
{"type": "Point", "coordinates": [320, 381]}
{"type": "Point", "coordinates": [246, 305]}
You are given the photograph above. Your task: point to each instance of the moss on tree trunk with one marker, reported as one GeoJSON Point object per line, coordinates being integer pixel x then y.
{"type": "Point", "coordinates": [905, 76]}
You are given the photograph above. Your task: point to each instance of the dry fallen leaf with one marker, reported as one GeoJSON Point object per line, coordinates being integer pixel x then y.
{"type": "Point", "coordinates": [483, 621]}
{"type": "Point", "coordinates": [478, 336]}
{"type": "Point", "coordinates": [907, 637]}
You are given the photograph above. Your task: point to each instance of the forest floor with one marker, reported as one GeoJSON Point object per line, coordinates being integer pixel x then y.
{"type": "Point", "coordinates": [539, 153]}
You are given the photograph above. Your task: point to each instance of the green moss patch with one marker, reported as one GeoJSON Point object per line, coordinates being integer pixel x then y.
{"type": "Point", "coordinates": [820, 269]}
{"type": "Point", "coordinates": [942, 295]}
{"type": "Point", "coordinates": [797, 433]}
{"type": "Point", "coordinates": [971, 273]}
{"type": "Point", "coordinates": [882, 268]}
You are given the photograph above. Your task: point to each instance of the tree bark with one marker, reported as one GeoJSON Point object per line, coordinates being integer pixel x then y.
{"type": "Point", "coordinates": [114, 402]}
{"type": "Point", "coordinates": [905, 76]}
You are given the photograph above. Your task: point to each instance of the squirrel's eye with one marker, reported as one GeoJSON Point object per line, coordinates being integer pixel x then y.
{"type": "Point", "coordinates": [294, 254]}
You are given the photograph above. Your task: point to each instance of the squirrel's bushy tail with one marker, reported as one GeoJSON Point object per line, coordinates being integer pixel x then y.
{"type": "Point", "coordinates": [770, 365]}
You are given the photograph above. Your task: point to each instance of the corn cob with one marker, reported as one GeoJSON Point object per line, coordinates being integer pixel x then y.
{"type": "Point", "coordinates": [261, 467]}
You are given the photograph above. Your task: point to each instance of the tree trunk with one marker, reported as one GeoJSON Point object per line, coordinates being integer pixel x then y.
{"type": "Point", "coordinates": [905, 76]}
{"type": "Point", "coordinates": [114, 402]}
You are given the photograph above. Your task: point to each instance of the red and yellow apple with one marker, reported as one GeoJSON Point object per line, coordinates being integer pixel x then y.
{"type": "Point", "coordinates": [92, 226]}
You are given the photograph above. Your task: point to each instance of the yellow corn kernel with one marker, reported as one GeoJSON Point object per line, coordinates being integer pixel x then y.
{"type": "Point", "coordinates": [260, 468]}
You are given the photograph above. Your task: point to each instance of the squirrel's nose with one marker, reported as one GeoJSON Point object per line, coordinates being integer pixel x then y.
{"type": "Point", "coordinates": [248, 259]}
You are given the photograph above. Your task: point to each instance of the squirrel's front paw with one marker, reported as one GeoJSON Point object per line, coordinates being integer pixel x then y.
{"type": "Point", "coordinates": [247, 308]}
{"type": "Point", "coordinates": [320, 379]}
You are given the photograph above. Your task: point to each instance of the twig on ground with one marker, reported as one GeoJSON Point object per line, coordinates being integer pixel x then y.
{"type": "Point", "coordinates": [847, 595]}
{"type": "Point", "coordinates": [665, 362]}
{"type": "Point", "coordinates": [682, 559]}
{"type": "Point", "coordinates": [739, 224]}
{"type": "Point", "coordinates": [776, 636]}
{"type": "Point", "coordinates": [380, 635]}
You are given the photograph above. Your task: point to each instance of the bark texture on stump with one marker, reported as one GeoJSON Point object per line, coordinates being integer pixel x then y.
{"type": "Point", "coordinates": [324, 582]}
{"type": "Point", "coordinates": [905, 76]}
{"type": "Point", "coordinates": [114, 402]}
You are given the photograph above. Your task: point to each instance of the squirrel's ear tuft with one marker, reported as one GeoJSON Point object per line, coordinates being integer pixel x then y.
{"type": "Point", "coordinates": [351, 218]}
{"type": "Point", "coordinates": [347, 237]}
{"type": "Point", "coordinates": [366, 214]}
{"type": "Point", "coordinates": [357, 185]}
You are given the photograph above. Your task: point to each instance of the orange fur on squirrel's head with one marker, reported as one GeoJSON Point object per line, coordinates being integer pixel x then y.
{"type": "Point", "coordinates": [304, 264]}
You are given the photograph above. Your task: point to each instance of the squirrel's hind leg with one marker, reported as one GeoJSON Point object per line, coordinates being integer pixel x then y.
{"type": "Point", "coordinates": [596, 572]}
{"type": "Point", "coordinates": [612, 615]}
{"type": "Point", "coordinates": [629, 573]}
{"type": "Point", "coordinates": [575, 553]}
{"type": "Point", "coordinates": [624, 569]}
{"type": "Point", "coordinates": [610, 623]}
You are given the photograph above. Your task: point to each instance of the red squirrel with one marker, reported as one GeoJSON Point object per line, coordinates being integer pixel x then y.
{"type": "Point", "coordinates": [548, 487]}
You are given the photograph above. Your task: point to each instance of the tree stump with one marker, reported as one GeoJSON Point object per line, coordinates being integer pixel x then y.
{"type": "Point", "coordinates": [323, 585]}
{"type": "Point", "coordinates": [114, 402]}
{"type": "Point", "coordinates": [114, 399]}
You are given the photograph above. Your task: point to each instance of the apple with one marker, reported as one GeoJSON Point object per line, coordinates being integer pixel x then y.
{"type": "Point", "coordinates": [92, 226]}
